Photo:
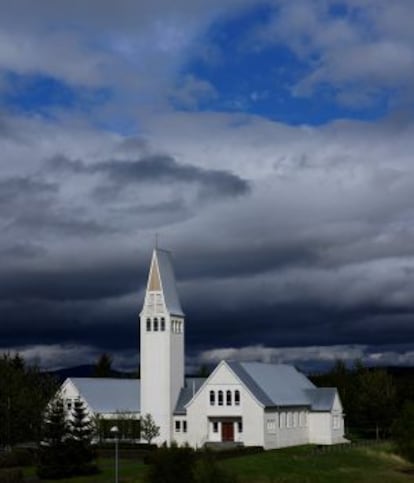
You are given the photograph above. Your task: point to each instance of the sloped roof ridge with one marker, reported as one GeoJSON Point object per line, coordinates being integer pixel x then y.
{"type": "Point", "coordinates": [168, 281]}
{"type": "Point", "coordinates": [250, 383]}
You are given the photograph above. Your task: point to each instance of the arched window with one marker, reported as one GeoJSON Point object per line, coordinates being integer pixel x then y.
{"type": "Point", "coordinates": [220, 398]}
{"type": "Point", "coordinates": [295, 419]}
{"type": "Point", "coordinates": [228, 398]}
{"type": "Point", "coordinates": [162, 324]}
{"type": "Point", "coordinates": [212, 398]}
{"type": "Point", "coordinates": [155, 324]}
{"type": "Point", "coordinates": [148, 325]}
{"type": "Point", "coordinates": [282, 420]}
{"type": "Point", "coordinates": [289, 420]}
{"type": "Point", "coordinates": [237, 398]}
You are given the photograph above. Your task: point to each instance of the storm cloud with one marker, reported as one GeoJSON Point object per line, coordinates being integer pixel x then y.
{"type": "Point", "coordinates": [291, 241]}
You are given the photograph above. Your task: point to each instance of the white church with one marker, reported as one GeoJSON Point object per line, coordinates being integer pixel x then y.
{"type": "Point", "coordinates": [246, 403]}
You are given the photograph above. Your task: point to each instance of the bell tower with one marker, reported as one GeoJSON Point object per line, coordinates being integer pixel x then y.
{"type": "Point", "coordinates": [162, 345]}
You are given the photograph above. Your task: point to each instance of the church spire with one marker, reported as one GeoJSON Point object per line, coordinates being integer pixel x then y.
{"type": "Point", "coordinates": [161, 287]}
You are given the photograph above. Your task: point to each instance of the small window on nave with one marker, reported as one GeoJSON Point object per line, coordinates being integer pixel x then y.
{"type": "Point", "coordinates": [237, 398]}
{"type": "Point", "coordinates": [212, 398]}
{"type": "Point", "coordinates": [162, 324]}
{"type": "Point", "coordinates": [155, 324]}
{"type": "Point", "coordinates": [148, 325]}
{"type": "Point", "coordinates": [228, 398]}
{"type": "Point", "coordinates": [220, 398]}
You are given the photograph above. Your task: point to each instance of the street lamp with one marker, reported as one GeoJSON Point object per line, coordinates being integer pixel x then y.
{"type": "Point", "coordinates": [115, 432]}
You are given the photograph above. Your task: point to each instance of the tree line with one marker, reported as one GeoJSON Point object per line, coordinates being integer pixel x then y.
{"type": "Point", "coordinates": [372, 397]}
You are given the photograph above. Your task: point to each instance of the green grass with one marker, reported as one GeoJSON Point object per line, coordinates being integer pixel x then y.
{"type": "Point", "coordinates": [300, 464]}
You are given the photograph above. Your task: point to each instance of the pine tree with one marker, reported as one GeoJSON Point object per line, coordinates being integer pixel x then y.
{"type": "Point", "coordinates": [53, 456]}
{"type": "Point", "coordinates": [103, 367]}
{"type": "Point", "coordinates": [81, 431]}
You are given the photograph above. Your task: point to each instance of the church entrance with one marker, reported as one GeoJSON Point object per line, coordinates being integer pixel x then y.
{"type": "Point", "coordinates": [227, 431]}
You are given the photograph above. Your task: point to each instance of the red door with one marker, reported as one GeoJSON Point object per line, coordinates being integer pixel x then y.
{"type": "Point", "coordinates": [227, 431]}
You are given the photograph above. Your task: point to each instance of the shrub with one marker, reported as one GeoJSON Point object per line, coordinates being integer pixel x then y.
{"type": "Point", "coordinates": [177, 465]}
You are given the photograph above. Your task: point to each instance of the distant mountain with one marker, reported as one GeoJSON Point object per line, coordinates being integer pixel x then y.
{"type": "Point", "coordinates": [86, 370]}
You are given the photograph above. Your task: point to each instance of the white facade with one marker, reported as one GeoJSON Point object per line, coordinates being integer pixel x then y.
{"type": "Point", "coordinates": [162, 346]}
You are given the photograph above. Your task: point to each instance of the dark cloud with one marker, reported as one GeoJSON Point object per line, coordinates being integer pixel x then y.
{"type": "Point", "coordinates": [158, 169]}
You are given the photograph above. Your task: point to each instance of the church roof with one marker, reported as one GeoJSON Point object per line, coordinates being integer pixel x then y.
{"type": "Point", "coordinates": [192, 385]}
{"type": "Point", "coordinates": [108, 395]}
{"type": "Point", "coordinates": [282, 385]}
{"type": "Point", "coordinates": [168, 283]}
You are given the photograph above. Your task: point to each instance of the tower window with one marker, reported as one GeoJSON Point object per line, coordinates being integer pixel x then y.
{"type": "Point", "coordinates": [155, 324]}
{"type": "Point", "coordinates": [184, 426]}
{"type": "Point", "coordinates": [162, 324]}
{"type": "Point", "coordinates": [148, 325]}
{"type": "Point", "coordinates": [212, 398]}
{"type": "Point", "coordinates": [228, 398]}
{"type": "Point", "coordinates": [220, 398]}
{"type": "Point", "coordinates": [237, 398]}
{"type": "Point", "coordinates": [178, 426]}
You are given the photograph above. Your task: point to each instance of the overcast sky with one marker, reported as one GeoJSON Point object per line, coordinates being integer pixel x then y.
{"type": "Point", "coordinates": [269, 144]}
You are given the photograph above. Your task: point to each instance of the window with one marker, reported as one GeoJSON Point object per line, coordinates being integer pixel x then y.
{"type": "Point", "coordinates": [173, 325]}
{"type": "Point", "coordinates": [228, 398]}
{"type": "Point", "coordinates": [237, 398]}
{"type": "Point", "coordinates": [282, 420]}
{"type": "Point", "coordinates": [148, 325]}
{"type": "Point", "coordinates": [162, 324]}
{"type": "Point", "coordinates": [240, 426]}
{"type": "Point", "coordinates": [177, 426]}
{"type": "Point", "coordinates": [295, 419]}
{"type": "Point", "coordinates": [155, 324]}
{"type": "Point", "coordinates": [220, 398]}
{"type": "Point", "coordinates": [212, 398]}
{"type": "Point", "coordinates": [336, 422]}
{"type": "Point", "coordinates": [305, 418]}
{"type": "Point", "coordinates": [184, 426]}
{"type": "Point", "coordinates": [68, 404]}
{"type": "Point", "coordinates": [289, 420]}
{"type": "Point", "coordinates": [271, 426]}
{"type": "Point", "coordinates": [215, 427]}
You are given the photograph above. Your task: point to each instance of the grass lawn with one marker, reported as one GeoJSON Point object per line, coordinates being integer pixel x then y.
{"type": "Point", "coordinates": [300, 464]}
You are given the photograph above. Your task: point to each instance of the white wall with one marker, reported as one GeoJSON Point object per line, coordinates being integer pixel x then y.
{"type": "Point", "coordinates": [200, 412]}
{"type": "Point", "coordinates": [277, 434]}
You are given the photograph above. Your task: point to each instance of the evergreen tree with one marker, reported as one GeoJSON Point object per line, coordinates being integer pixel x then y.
{"type": "Point", "coordinates": [81, 431]}
{"type": "Point", "coordinates": [24, 393]}
{"type": "Point", "coordinates": [103, 367]}
{"type": "Point", "coordinates": [54, 455]}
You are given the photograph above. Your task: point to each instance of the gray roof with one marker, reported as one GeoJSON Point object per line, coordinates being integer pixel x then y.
{"type": "Point", "coordinates": [192, 385]}
{"type": "Point", "coordinates": [168, 283]}
{"type": "Point", "coordinates": [275, 384]}
{"type": "Point", "coordinates": [321, 398]}
{"type": "Point", "coordinates": [108, 395]}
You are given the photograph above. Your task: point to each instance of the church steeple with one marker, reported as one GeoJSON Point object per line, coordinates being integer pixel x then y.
{"type": "Point", "coordinates": [162, 344]}
{"type": "Point", "coordinates": [161, 295]}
